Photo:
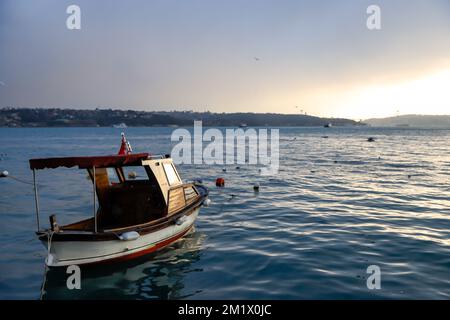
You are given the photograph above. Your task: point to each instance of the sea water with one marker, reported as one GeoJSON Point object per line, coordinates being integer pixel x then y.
{"type": "Point", "coordinates": [337, 206]}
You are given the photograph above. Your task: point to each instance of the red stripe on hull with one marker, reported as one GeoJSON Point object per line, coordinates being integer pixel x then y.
{"type": "Point", "coordinates": [141, 253]}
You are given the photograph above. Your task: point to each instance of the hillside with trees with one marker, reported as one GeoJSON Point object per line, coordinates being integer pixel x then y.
{"type": "Point", "coordinates": [39, 117]}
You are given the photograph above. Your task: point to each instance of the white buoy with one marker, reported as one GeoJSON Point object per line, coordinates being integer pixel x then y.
{"type": "Point", "coordinates": [207, 202]}
{"type": "Point", "coordinates": [129, 236]}
{"type": "Point", "coordinates": [4, 174]}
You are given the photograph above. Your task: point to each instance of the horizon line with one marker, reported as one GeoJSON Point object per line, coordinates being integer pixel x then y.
{"type": "Point", "coordinates": [216, 112]}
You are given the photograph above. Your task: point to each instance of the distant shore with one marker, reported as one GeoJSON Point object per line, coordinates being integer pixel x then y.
{"type": "Point", "coordinates": [43, 117]}
{"type": "Point", "coordinates": [412, 121]}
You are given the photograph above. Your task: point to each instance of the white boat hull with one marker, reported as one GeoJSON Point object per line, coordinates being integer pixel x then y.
{"type": "Point", "coordinates": [65, 253]}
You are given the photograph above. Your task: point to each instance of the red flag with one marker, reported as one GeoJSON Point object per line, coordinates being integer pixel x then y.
{"type": "Point", "coordinates": [125, 147]}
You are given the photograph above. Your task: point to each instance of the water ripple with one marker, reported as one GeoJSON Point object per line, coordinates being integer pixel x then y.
{"type": "Point", "coordinates": [337, 206]}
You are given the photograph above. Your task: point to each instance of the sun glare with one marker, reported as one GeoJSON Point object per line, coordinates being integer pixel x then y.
{"type": "Point", "coordinates": [426, 95]}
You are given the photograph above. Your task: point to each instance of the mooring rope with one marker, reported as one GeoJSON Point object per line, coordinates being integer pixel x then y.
{"type": "Point", "coordinates": [44, 282]}
{"type": "Point", "coordinates": [5, 174]}
{"type": "Point", "coordinates": [19, 180]}
{"type": "Point", "coordinates": [49, 245]}
{"type": "Point", "coordinates": [49, 240]}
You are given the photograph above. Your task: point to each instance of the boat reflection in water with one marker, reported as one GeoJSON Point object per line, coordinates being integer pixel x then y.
{"type": "Point", "coordinates": [159, 275]}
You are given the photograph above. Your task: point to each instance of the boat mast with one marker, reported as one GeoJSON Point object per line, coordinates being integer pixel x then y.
{"type": "Point", "coordinates": [94, 192]}
{"type": "Point", "coordinates": [36, 199]}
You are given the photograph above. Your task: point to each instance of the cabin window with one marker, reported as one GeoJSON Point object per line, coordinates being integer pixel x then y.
{"type": "Point", "coordinates": [189, 193]}
{"type": "Point", "coordinates": [112, 176]}
{"type": "Point", "coordinates": [171, 175]}
{"type": "Point", "coordinates": [135, 173]}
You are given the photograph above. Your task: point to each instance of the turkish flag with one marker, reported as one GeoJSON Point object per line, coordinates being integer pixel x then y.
{"type": "Point", "coordinates": [123, 146]}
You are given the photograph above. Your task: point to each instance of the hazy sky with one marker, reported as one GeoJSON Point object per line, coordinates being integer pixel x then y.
{"type": "Point", "coordinates": [200, 55]}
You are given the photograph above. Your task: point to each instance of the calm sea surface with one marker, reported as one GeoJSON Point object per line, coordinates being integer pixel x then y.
{"type": "Point", "coordinates": [337, 206]}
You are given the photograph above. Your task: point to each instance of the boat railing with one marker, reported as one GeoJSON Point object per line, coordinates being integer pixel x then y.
{"type": "Point", "coordinates": [158, 156]}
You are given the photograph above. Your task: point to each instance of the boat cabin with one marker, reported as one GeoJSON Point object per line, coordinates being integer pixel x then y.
{"type": "Point", "coordinates": [125, 200]}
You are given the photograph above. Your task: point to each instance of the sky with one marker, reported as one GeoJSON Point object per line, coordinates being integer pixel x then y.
{"type": "Point", "coordinates": [281, 56]}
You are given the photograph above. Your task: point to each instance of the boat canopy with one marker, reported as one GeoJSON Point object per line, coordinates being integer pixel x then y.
{"type": "Point", "coordinates": [89, 162]}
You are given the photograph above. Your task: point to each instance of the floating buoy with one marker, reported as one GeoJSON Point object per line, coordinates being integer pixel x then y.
{"type": "Point", "coordinates": [224, 170]}
{"type": "Point", "coordinates": [237, 168]}
{"type": "Point", "coordinates": [256, 187]}
{"type": "Point", "coordinates": [220, 182]}
{"type": "Point", "coordinates": [207, 202]}
{"type": "Point", "coordinates": [4, 174]}
{"type": "Point", "coordinates": [132, 175]}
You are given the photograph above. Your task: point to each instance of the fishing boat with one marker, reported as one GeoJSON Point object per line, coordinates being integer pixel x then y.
{"type": "Point", "coordinates": [133, 217]}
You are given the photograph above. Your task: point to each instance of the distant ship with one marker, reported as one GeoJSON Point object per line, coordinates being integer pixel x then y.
{"type": "Point", "coordinates": [120, 126]}
{"type": "Point", "coordinates": [243, 125]}
{"type": "Point", "coordinates": [328, 125]}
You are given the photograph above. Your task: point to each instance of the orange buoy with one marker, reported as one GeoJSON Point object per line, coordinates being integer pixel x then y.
{"type": "Point", "coordinates": [220, 182]}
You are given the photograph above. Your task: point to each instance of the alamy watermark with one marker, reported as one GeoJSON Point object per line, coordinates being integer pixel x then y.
{"type": "Point", "coordinates": [73, 21]}
{"type": "Point", "coordinates": [374, 280]}
{"type": "Point", "coordinates": [74, 280]}
{"type": "Point", "coordinates": [374, 20]}
{"type": "Point", "coordinates": [236, 146]}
